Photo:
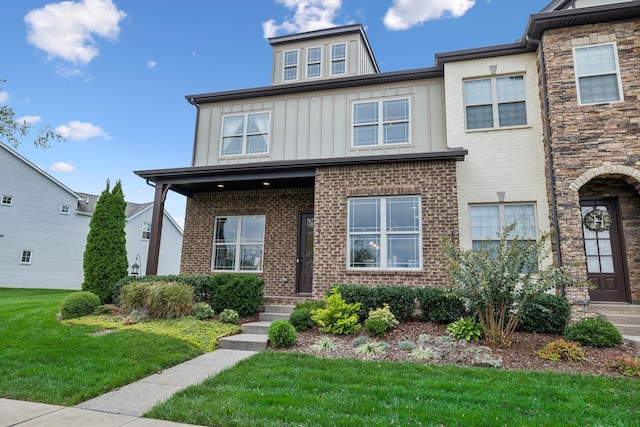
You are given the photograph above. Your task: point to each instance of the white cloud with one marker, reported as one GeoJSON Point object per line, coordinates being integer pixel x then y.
{"type": "Point", "coordinates": [62, 167]}
{"type": "Point", "coordinates": [4, 97]}
{"type": "Point", "coordinates": [66, 30]}
{"type": "Point", "coordinates": [28, 119]}
{"type": "Point", "coordinates": [309, 15]}
{"type": "Point", "coordinates": [151, 63]}
{"type": "Point", "coordinates": [405, 14]}
{"type": "Point", "coordinates": [81, 131]}
{"type": "Point", "coordinates": [64, 71]}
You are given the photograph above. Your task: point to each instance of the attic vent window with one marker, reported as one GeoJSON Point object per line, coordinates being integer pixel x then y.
{"type": "Point", "coordinates": [7, 200]}
{"type": "Point", "coordinates": [65, 209]}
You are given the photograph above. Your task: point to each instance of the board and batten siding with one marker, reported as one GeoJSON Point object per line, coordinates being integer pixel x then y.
{"type": "Point", "coordinates": [318, 125]}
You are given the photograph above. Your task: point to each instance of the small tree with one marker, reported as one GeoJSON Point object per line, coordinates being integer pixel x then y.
{"type": "Point", "coordinates": [498, 281]}
{"type": "Point", "coordinates": [105, 256]}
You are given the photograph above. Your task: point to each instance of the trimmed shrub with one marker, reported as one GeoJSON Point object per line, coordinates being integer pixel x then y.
{"type": "Point", "coordinates": [440, 306]}
{"type": "Point", "coordinates": [79, 304]}
{"type": "Point", "coordinates": [380, 321]}
{"type": "Point", "coordinates": [202, 310]}
{"type": "Point", "coordinates": [301, 319]}
{"type": "Point", "coordinates": [401, 299]}
{"type": "Point", "coordinates": [548, 313]}
{"type": "Point", "coordinates": [594, 332]}
{"type": "Point", "coordinates": [562, 350]}
{"type": "Point", "coordinates": [339, 317]}
{"type": "Point", "coordinates": [282, 334]}
{"type": "Point", "coordinates": [229, 316]}
{"type": "Point", "coordinates": [237, 291]}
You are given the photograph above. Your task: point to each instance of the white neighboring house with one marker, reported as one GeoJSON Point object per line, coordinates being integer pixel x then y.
{"type": "Point", "coordinates": [44, 226]}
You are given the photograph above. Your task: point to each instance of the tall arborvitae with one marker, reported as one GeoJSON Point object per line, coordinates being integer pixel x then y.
{"type": "Point", "coordinates": [105, 256]}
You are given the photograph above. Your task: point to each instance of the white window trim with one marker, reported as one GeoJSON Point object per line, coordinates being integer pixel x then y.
{"type": "Point", "coordinates": [65, 209]}
{"type": "Point", "coordinates": [146, 229]}
{"type": "Point", "coordinates": [618, 76]}
{"type": "Point", "coordinates": [383, 233]}
{"type": "Point", "coordinates": [501, 216]}
{"type": "Point", "coordinates": [4, 197]}
{"type": "Point", "coordinates": [319, 62]}
{"type": "Point", "coordinates": [245, 135]}
{"type": "Point", "coordinates": [380, 123]}
{"type": "Point", "coordinates": [331, 60]}
{"type": "Point", "coordinates": [238, 244]}
{"type": "Point", "coordinates": [285, 66]}
{"type": "Point", "coordinates": [29, 256]}
{"type": "Point", "coordinates": [495, 103]}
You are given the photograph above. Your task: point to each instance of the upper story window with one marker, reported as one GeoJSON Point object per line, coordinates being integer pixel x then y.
{"type": "Point", "coordinates": [146, 231]}
{"type": "Point", "coordinates": [238, 243]}
{"type": "Point", "coordinates": [495, 102]}
{"type": "Point", "coordinates": [487, 222]}
{"type": "Point", "coordinates": [6, 200]}
{"type": "Point", "coordinates": [65, 209]}
{"type": "Point", "coordinates": [384, 233]}
{"type": "Point", "coordinates": [338, 59]}
{"type": "Point", "coordinates": [597, 74]}
{"type": "Point", "coordinates": [245, 134]}
{"type": "Point", "coordinates": [290, 65]}
{"type": "Point", "coordinates": [381, 122]}
{"type": "Point", "coordinates": [314, 62]}
{"type": "Point", "coordinates": [25, 258]}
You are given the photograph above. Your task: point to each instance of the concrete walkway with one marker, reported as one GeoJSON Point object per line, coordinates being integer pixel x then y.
{"type": "Point", "coordinates": [123, 406]}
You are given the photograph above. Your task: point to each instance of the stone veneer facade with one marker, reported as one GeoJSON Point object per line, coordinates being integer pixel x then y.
{"type": "Point", "coordinates": [433, 181]}
{"type": "Point", "coordinates": [595, 148]}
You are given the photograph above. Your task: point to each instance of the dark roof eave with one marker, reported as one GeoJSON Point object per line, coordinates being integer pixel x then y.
{"type": "Point", "coordinates": [327, 84]}
{"type": "Point", "coordinates": [289, 168]}
{"type": "Point", "coordinates": [481, 52]}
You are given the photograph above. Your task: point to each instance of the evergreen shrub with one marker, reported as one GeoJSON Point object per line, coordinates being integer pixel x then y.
{"type": "Point", "coordinates": [440, 306]}
{"type": "Point", "coordinates": [301, 319]}
{"type": "Point", "coordinates": [594, 332]}
{"type": "Point", "coordinates": [547, 313]}
{"type": "Point", "coordinates": [282, 334]}
{"type": "Point", "coordinates": [401, 299]}
{"type": "Point", "coordinates": [79, 304]}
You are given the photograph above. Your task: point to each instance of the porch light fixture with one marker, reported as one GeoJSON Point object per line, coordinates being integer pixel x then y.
{"type": "Point", "coordinates": [266, 184]}
{"type": "Point", "coordinates": [220, 185]}
{"type": "Point", "coordinates": [135, 268]}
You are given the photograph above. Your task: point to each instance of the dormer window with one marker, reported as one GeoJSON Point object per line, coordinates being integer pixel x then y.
{"type": "Point", "coordinates": [338, 59]}
{"type": "Point", "coordinates": [314, 62]}
{"type": "Point", "coordinates": [291, 65]}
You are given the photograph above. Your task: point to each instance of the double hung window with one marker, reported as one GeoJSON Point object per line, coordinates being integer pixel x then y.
{"type": "Point", "coordinates": [245, 134]}
{"type": "Point", "coordinates": [381, 122]}
{"type": "Point", "coordinates": [290, 65]}
{"type": "Point", "coordinates": [487, 222]}
{"type": "Point", "coordinates": [338, 59]}
{"type": "Point", "coordinates": [314, 62]}
{"type": "Point", "coordinates": [238, 243]}
{"type": "Point", "coordinates": [495, 102]}
{"type": "Point", "coordinates": [597, 74]}
{"type": "Point", "coordinates": [25, 258]}
{"type": "Point", "coordinates": [384, 233]}
{"type": "Point", "coordinates": [146, 231]}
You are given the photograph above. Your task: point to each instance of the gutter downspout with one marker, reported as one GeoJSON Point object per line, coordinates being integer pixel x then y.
{"type": "Point", "coordinates": [547, 141]}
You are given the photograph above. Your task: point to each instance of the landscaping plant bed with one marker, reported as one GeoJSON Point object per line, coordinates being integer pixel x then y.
{"type": "Point", "coordinates": [520, 356]}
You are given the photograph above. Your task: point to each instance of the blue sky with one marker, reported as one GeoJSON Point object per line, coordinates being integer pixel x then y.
{"type": "Point", "coordinates": [111, 75]}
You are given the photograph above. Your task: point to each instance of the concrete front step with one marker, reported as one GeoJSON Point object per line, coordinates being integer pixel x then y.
{"type": "Point", "coordinates": [633, 340]}
{"type": "Point", "coordinates": [633, 330]}
{"type": "Point", "coordinates": [259, 328]}
{"type": "Point", "coordinates": [622, 319]}
{"type": "Point", "coordinates": [277, 308]}
{"type": "Point", "coordinates": [613, 308]}
{"type": "Point", "coordinates": [250, 342]}
{"type": "Point", "coordinates": [269, 317]}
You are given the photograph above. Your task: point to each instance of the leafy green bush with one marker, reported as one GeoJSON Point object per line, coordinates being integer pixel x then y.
{"type": "Point", "coordinates": [79, 304]}
{"type": "Point", "coordinates": [466, 329]}
{"type": "Point", "coordinates": [625, 365]}
{"type": "Point", "coordinates": [339, 317]}
{"type": "Point", "coordinates": [594, 332]}
{"type": "Point", "coordinates": [162, 300]}
{"type": "Point", "coordinates": [562, 350]}
{"type": "Point", "coordinates": [202, 310]}
{"type": "Point", "coordinates": [301, 319]}
{"type": "Point", "coordinates": [440, 305]}
{"type": "Point", "coordinates": [401, 299]}
{"type": "Point", "coordinates": [547, 313]}
{"type": "Point", "coordinates": [230, 316]}
{"type": "Point", "coordinates": [237, 291]}
{"type": "Point", "coordinates": [282, 334]}
{"type": "Point", "coordinates": [310, 305]}
{"type": "Point", "coordinates": [380, 321]}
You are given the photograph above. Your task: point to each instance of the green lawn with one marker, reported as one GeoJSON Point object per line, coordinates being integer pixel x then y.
{"type": "Point", "coordinates": [43, 360]}
{"type": "Point", "coordinates": [284, 389]}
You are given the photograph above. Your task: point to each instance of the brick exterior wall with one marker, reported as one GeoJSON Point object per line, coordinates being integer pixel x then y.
{"type": "Point", "coordinates": [434, 182]}
{"type": "Point", "coordinates": [595, 141]}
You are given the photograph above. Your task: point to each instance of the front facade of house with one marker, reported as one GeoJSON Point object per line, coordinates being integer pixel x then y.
{"type": "Point", "coordinates": [44, 226]}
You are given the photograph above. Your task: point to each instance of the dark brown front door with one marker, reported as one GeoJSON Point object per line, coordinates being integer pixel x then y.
{"type": "Point", "coordinates": [305, 254]}
{"type": "Point", "coordinates": [604, 249]}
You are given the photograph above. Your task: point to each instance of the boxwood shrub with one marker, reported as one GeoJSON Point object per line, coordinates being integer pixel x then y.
{"type": "Point", "coordinates": [440, 306]}
{"type": "Point", "coordinates": [79, 304]}
{"type": "Point", "coordinates": [548, 314]}
{"type": "Point", "coordinates": [594, 332]}
{"type": "Point", "coordinates": [401, 299]}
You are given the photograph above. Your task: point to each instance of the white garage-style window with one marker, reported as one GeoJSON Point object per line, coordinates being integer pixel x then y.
{"type": "Point", "coordinates": [238, 243]}
{"type": "Point", "coordinates": [495, 102]}
{"type": "Point", "coordinates": [244, 134]}
{"type": "Point", "coordinates": [384, 233]}
{"type": "Point", "coordinates": [488, 221]}
{"type": "Point", "coordinates": [597, 74]}
{"type": "Point", "coordinates": [381, 122]}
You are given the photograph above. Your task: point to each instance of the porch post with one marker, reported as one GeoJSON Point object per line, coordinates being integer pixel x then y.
{"type": "Point", "coordinates": [156, 228]}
